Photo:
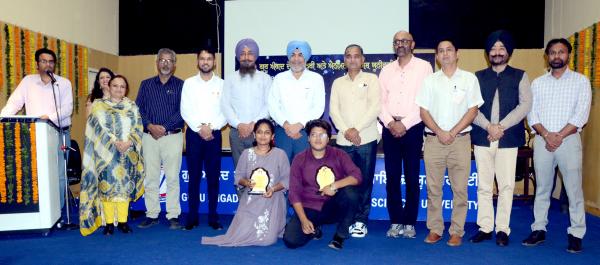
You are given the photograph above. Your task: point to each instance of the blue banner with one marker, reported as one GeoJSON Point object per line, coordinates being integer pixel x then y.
{"type": "Point", "coordinates": [228, 198]}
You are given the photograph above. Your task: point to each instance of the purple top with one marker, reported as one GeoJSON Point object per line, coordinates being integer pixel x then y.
{"type": "Point", "coordinates": [303, 184]}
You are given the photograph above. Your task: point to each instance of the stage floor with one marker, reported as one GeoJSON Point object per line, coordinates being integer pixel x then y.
{"type": "Point", "coordinates": [159, 245]}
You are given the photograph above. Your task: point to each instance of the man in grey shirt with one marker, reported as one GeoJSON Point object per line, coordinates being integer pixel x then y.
{"type": "Point", "coordinates": [244, 99]}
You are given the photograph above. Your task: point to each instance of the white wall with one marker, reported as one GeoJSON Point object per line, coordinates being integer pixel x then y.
{"type": "Point", "coordinates": [92, 23]}
{"type": "Point", "coordinates": [563, 18]}
{"type": "Point", "coordinates": [328, 25]}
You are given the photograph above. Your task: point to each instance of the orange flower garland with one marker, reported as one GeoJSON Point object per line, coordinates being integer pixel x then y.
{"type": "Point", "coordinates": [17, 55]}
{"type": "Point", "coordinates": [27, 52]}
{"type": "Point", "coordinates": [2, 167]}
{"type": "Point", "coordinates": [18, 164]}
{"type": "Point", "coordinates": [70, 63]}
{"type": "Point", "coordinates": [34, 175]}
{"type": "Point", "coordinates": [10, 68]}
{"type": "Point", "coordinates": [40, 41]}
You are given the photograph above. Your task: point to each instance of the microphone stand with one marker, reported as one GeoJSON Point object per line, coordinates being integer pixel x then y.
{"type": "Point", "coordinates": [64, 148]}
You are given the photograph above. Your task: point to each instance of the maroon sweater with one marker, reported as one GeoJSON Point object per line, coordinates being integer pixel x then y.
{"type": "Point", "coordinates": [303, 183]}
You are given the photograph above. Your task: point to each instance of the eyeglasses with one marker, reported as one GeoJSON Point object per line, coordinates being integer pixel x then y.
{"type": "Point", "coordinates": [402, 42]}
{"type": "Point", "coordinates": [166, 61]}
{"type": "Point", "coordinates": [323, 136]}
{"type": "Point", "coordinates": [43, 61]}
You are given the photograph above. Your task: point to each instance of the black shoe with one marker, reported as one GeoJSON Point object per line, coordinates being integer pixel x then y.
{"type": "Point", "coordinates": [109, 229]}
{"type": "Point", "coordinates": [480, 236]}
{"type": "Point", "coordinates": [124, 228]}
{"type": "Point", "coordinates": [148, 222]}
{"type": "Point", "coordinates": [318, 234]}
{"type": "Point", "coordinates": [215, 225]}
{"type": "Point", "coordinates": [190, 225]}
{"type": "Point", "coordinates": [535, 238]}
{"type": "Point", "coordinates": [174, 224]}
{"type": "Point", "coordinates": [336, 243]}
{"type": "Point", "coordinates": [501, 239]}
{"type": "Point", "coordinates": [574, 244]}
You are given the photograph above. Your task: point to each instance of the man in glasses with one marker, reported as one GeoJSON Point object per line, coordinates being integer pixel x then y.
{"type": "Point", "coordinates": [39, 93]}
{"type": "Point", "coordinates": [159, 100]}
{"type": "Point", "coordinates": [402, 134]}
{"type": "Point", "coordinates": [321, 190]}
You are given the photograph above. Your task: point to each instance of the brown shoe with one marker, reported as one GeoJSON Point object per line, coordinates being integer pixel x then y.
{"type": "Point", "coordinates": [432, 238]}
{"type": "Point", "coordinates": [455, 241]}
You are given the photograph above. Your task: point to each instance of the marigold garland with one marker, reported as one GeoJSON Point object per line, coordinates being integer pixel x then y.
{"type": "Point", "coordinates": [586, 52]}
{"type": "Point", "coordinates": [17, 55]}
{"type": "Point", "coordinates": [33, 155]}
{"type": "Point", "coordinates": [25, 163]}
{"type": "Point", "coordinates": [2, 167]}
{"type": "Point", "coordinates": [63, 59]}
{"type": "Point", "coordinates": [10, 162]}
{"type": "Point", "coordinates": [22, 55]}
{"type": "Point", "coordinates": [18, 164]}
{"type": "Point", "coordinates": [18, 59]}
{"type": "Point", "coordinates": [10, 75]}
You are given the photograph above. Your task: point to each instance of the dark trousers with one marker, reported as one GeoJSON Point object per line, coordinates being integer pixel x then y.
{"type": "Point", "coordinates": [340, 209]}
{"type": "Point", "coordinates": [403, 152]}
{"type": "Point", "coordinates": [199, 154]}
{"type": "Point", "coordinates": [364, 157]}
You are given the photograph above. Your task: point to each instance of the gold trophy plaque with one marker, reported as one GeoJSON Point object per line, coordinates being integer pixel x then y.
{"type": "Point", "coordinates": [260, 178]}
{"type": "Point", "coordinates": [325, 177]}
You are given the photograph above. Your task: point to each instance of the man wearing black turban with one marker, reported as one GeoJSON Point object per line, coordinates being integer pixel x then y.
{"type": "Point", "coordinates": [497, 134]}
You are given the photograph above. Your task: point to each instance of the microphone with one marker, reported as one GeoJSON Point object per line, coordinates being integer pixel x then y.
{"type": "Point", "coordinates": [51, 75]}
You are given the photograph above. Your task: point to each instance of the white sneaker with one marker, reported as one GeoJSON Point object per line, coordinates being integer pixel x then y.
{"type": "Point", "coordinates": [409, 231]}
{"type": "Point", "coordinates": [396, 230]}
{"type": "Point", "coordinates": [358, 229]}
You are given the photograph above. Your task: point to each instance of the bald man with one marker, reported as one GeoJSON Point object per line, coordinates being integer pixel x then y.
{"type": "Point", "coordinates": [402, 134]}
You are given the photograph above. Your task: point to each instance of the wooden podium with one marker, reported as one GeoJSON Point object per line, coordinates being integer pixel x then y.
{"type": "Point", "coordinates": [29, 192]}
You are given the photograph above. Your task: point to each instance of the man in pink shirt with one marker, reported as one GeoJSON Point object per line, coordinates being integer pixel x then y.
{"type": "Point", "coordinates": [35, 91]}
{"type": "Point", "coordinates": [402, 135]}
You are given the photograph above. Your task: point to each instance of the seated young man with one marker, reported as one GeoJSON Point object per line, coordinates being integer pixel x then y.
{"type": "Point", "coordinates": [332, 203]}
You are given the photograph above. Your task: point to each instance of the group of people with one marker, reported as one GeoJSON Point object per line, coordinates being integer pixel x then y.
{"type": "Point", "coordinates": [276, 130]}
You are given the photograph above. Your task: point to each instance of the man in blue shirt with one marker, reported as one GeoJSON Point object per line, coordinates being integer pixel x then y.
{"type": "Point", "coordinates": [159, 101]}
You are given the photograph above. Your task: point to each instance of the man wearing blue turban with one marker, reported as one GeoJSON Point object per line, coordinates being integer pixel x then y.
{"type": "Point", "coordinates": [296, 97]}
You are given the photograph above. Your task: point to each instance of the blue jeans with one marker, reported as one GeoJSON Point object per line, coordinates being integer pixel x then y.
{"type": "Point", "coordinates": [290, 146]}
{"type": "Point", "coordinates": [363, 157]}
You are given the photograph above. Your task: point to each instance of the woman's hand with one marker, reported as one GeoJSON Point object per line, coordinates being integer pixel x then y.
{"type": "Point", "coordinates": [269, 193]}
{"type": "Point", "coordinates": [122, 146]}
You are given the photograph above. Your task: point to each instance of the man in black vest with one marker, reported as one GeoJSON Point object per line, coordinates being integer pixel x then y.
{"type": "Point", "coordinates": [498, 133]}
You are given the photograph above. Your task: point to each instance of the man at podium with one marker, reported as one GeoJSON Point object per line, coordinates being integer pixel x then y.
{"type": "Point", "coordinates": [39, 92]}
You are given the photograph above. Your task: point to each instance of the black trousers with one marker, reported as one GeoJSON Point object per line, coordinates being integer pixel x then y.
{"type": "Point", "coordinates": [203, 154]}
{"type": "Point", "coordinates": [403, 152]}
{"type": "Point", "coordinates": [340, 209]}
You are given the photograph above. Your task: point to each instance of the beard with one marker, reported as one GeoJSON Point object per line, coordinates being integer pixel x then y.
{"type": "Point", "coordinates": [402, 51]}
{"type": "Point", "coordinates": [205, 69]}
{"type": "Point", "coordinates": [557, 63]}
{"type": "Point", "coordinates": [247, 68]}
{"type": "Point", "coordinates": [498, 60]}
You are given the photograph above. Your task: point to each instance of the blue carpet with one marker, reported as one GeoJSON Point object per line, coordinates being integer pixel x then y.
{"type": "Point", "coordinates": [159, 245]}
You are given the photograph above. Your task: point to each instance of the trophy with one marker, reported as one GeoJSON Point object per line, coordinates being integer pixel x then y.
{"type": "Point", "coordinates": [325, 176]}
{"type": "Point", "coordinates": [260, 178]}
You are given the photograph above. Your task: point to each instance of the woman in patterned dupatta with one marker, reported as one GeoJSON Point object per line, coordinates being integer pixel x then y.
{"type": "Point", "coordinates": [112, 161]}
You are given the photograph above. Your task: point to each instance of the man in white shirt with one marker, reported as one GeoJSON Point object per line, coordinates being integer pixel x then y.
{"type": "Point", "coordinates": [244, 99]}
{"type": "Point", "coordinates": [449, 102]}
{"type": "Point", "coordinates": [296, 97]}
{"type": "Point", "coordinates": [201, 110]}
{"type": "Point", "coordinates": [561, 107]}
{"type": "Point", "coordinates": [38, 93]}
